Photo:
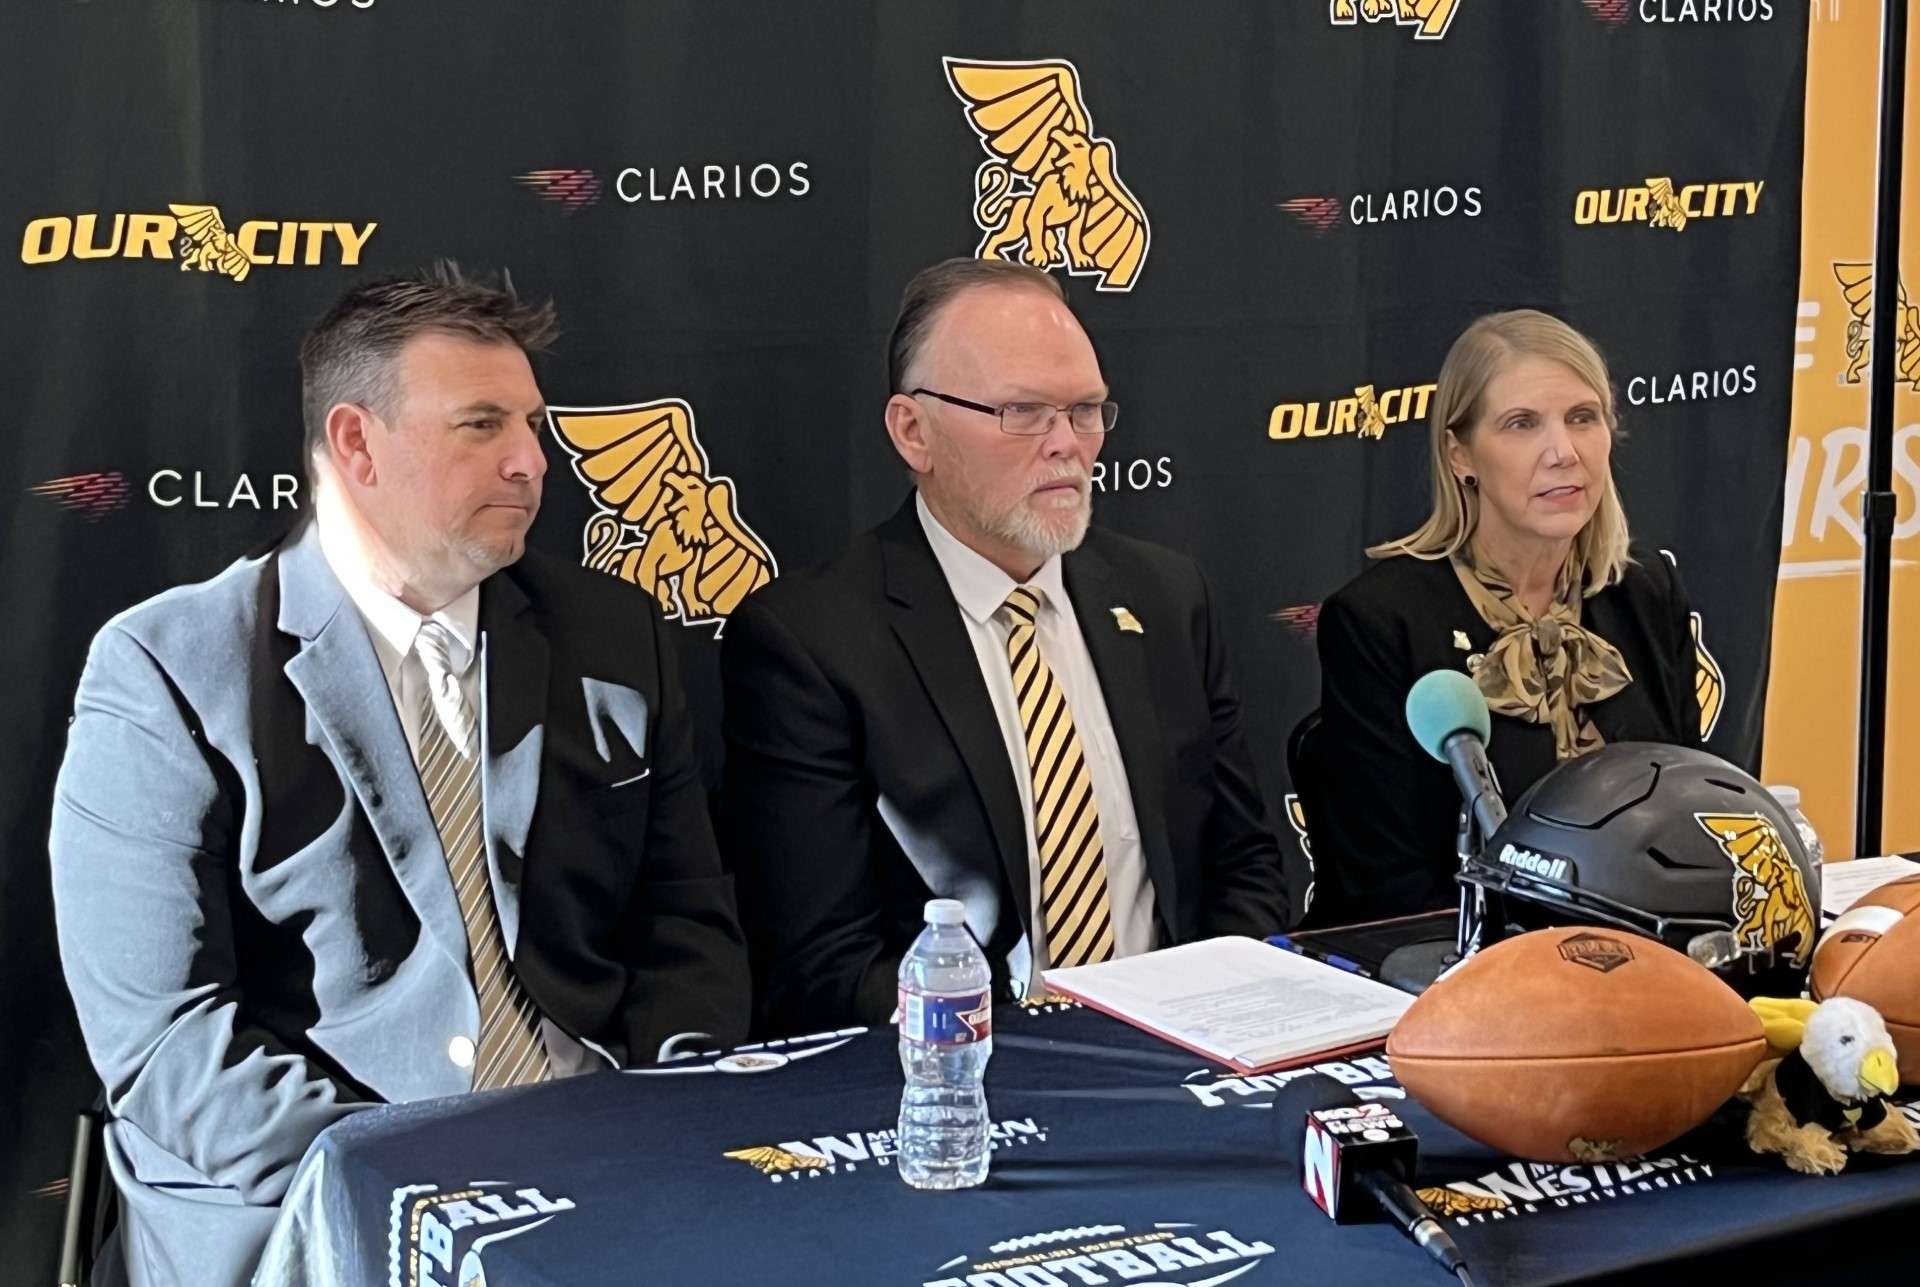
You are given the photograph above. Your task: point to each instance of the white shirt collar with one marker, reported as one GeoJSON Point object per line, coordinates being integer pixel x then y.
{"type": "Point", "coordinates": [391, 621]}
{"type": "Point", "coordinates": [978, 584]}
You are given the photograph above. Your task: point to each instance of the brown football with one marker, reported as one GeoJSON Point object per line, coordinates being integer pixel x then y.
{"type": "Point", "coordinates": [1576, 1045]}
{"type": "Point", "coordinates": [1872, 954]}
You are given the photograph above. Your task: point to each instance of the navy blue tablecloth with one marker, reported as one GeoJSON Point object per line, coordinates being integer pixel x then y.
{"type": "Point", "coordinates": [1118, 1159]}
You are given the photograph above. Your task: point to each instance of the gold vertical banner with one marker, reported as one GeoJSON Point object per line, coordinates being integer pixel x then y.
{"type": "Point", "coordinates": [1814, 691]}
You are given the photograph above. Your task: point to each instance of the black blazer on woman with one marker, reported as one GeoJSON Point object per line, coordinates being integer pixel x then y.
{"type": "Point", "coordinates": [1381, 812]}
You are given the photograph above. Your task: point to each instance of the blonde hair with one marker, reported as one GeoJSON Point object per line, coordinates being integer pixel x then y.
{"type": "Point", "coordinates": [1600, 549]}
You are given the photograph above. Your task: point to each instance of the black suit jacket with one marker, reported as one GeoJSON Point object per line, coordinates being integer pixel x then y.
{"type": "Point", "coordinates": [256, 917]}
{"type": "Point", "coordinates": [866, 770]}
{"type": "Point", "coordinates": [1381, 812]}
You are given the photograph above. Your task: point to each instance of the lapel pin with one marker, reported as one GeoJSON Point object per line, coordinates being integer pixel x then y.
{"type": "Point", "coordinates": [1128, 623]}
{"type": "Point", "coordinates": [1460, 641]}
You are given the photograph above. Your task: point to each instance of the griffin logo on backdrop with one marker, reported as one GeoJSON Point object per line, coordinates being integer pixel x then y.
{"type": "Point", "coordinates": [1856, 287]}
{"type": "Point", "coordinates": [1769, 896]}
{"type": "Point", "coordinates": [197, 237]}
{"type": "Point", "coordinates": [1297, 815]}
{"type": "Point", "coordinates": [1709, 682]}
{"type": "Point", "coordinates": [1048, 191]}
{"type": "Point", "coordinates": [665, 521]}
{"type": "Point", "coordinates": [1429, 18]}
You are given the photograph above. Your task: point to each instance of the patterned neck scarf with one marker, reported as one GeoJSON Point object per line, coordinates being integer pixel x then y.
{"type": "Point", "coordinates": [1544, 669]}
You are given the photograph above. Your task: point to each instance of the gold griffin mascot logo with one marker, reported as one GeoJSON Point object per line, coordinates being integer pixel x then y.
{"type": "Point", "coordinates": [768, 1160]}
{"type": "Point", "coordinates": [1429, 18]}
{"type": "Point", "coordinates": [1709, 682]}
{"type": "Point", "coordinates": [1856, 286]}
{"type": "Point", "coordinates": [1296, 812]}
{"type": "Point", "coordinates": [1445, 1202]}
{"type": "Point", "coordinates": [666, 522]}
{"type": "Point", "coordinates": [1769, 895]}
{"type": "Point", "coordinates": [1048, 188]}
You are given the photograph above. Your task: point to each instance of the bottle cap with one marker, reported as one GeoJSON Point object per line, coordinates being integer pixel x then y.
{"type": "Point", "coordinates": [946, 911]}
{"type": "Point", "coordinates": [1788, 796]}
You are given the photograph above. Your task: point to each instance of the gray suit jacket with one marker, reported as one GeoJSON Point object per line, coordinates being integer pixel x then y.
{"type": "Point", "coordinates": [255, 914]}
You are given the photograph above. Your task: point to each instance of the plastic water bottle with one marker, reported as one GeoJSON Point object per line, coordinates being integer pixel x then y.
{"type": "Point", "coordinates": [946, 1037]}
{"type": "Point", "coordinates": [1789, 798]}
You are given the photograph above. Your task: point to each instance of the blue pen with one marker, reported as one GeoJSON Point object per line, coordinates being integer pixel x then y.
{"type": "Point", "coordinates": [1327, 958]}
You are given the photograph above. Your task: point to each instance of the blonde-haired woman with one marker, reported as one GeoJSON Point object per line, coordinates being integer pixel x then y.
{"type": "Point", "coordinates": [1522, 576]}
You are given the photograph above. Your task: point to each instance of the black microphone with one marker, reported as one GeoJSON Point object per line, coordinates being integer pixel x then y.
{"type": "Point", "coordinates": [1356, 1157]}
{"type": "Point", "coordinates": [1448, 718]}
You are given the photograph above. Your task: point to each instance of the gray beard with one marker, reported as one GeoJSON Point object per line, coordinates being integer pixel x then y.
{"type": "Point", "coordinates": [1026, 530]}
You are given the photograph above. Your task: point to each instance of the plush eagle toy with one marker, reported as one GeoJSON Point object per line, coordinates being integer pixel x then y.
{"type": "Point", "coordinates": [1828, 1093]}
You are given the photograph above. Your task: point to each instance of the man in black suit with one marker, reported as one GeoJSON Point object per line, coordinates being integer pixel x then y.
{"type": "Point", "coordinates": [389, 812]}
{"type": "Point", "coordinates": [984, 700]}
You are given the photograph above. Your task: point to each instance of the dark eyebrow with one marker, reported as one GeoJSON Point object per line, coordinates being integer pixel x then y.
{"type": "Point", "coordinates": [482, 408]}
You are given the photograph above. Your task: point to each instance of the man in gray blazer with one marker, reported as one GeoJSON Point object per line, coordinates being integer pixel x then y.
{"type": "Point", "coordinates": [395, 810]}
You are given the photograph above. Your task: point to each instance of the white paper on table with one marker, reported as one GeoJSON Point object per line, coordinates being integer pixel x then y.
{"type": "Point", "coordinates": [1842, 884]}
{"type": "Point", "coordinates": [1238, 1000]}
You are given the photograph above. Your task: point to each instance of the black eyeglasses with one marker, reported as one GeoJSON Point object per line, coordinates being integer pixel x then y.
{"type": "Point", "coordinates": [1032, 419]}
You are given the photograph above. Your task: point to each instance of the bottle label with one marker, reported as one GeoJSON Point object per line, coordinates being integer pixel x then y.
{"type": "Point", "coordinates": [946, 1019]}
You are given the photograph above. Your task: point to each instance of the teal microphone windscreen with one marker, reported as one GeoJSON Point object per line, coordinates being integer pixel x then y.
{"type": "Point", "coordinates": [1442, 703]}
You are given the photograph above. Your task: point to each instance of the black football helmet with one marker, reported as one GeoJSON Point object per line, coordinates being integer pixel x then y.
{"type": "Point", "coordinates": [1667, 841]}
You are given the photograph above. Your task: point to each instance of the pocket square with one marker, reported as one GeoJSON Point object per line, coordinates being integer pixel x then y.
{"type": "Point", "coordinates": [621, 708]}
{"type": "Point", "coordinates": [1128, 623]}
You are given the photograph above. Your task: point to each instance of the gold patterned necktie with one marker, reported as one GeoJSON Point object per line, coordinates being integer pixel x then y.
{"type": "Point", "coordinates": [1074, 906]}
{"type": "Point", "coordinates": [511, 1050]}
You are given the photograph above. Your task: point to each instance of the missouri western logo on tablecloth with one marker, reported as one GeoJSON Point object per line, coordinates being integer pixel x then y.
{"type": "Point", "coordinates": [1164, 1254]}
{"type": "Point", "coordinates": [1049, 192]}
{"type": "Point", "coordinates": [1515, 1189]}
{"type": "Point", "coordinates": [820, 1156]}
{"type": "Point", "coordinates": [664, 519]}
{"type": "Point", "coordinates": [438, 1237]}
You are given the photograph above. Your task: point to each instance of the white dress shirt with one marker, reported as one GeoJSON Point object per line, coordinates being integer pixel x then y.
{"type": "Point", "coordinates": [392, 626]}
{"type": "Point", "coordinates": [981, 589]}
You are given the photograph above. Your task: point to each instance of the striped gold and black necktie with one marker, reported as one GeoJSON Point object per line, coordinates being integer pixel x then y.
{"type": "Point", "coordinates": [510, 1050]}
{"type": "Point", "coordinates": [1074, 905]}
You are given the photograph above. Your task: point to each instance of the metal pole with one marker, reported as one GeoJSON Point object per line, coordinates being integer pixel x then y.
{"type": "Point", "coordinates": [1877, 504]}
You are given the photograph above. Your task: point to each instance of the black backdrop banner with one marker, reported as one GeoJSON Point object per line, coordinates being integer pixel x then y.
{"type": "Point", "coordinates": [1273, 218]}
